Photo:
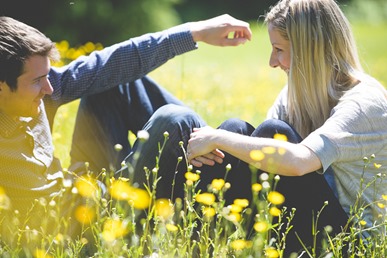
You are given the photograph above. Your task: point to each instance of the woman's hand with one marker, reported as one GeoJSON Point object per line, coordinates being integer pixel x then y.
{"type": "Point", "coordinates": [201, 150]}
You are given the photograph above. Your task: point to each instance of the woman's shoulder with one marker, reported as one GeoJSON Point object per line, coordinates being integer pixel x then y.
{"type": "Point", "coordinates": [367, 90]}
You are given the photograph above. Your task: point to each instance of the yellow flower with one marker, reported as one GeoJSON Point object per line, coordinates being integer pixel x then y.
{"type": "Point", "coordinates": [275, 198]}
{"type": "Point", "coordinates": [274, 211]}
{"type": "Point", "coordinates": [384, 197]}
{"type": "Point", "coordinates": [240, 244]}
{"type": "Point", "coordinates": [84, 214]}
{"type": "Point", "coordinates": [242, 202]}
{"type": "Point", "coordinates": [377, 165]}
{"type": "Point", "coordinates": [256, 187]}
{"type": "Point", "coordinates": [192, 176]}
{"type": "Point", "coordinates": [209, 212]}
{"type": "Point", "coordinates": [5, 202]}
{"type": "Point", "coordinates": [271, 253]}
{"type": "Point", "coordinates": [235, 217]}
{"type": "Point", "coordinates": [235, 208]}
{"type": "Point", "coordinates": [217, 184]}
{"type": "Point", "coordinates": [59, 238]}
{"type": "Point", "coordinates": [40, 253]}
{"type": "Point", "coordinates": [280, 137]}
{"type": "Point", "coordinates": [171, 228]}
{"type": "Point", "coordinates": [120, 189]}
{"type": "Point", "coordinates": [89, 47]}
{"type": "Point", "coordinates": [205, 198]}
{"type": "Point", "coordinates": [363, 222]}
{"type": "Point", "coordinates": [257, 155]}
{"type": "Point", "coordinates": [139, 198]}
{"type": "Point", "coordinates": [114, 228]}
{"type": "Point", "coordinates": [381, 205]}
{"type": "Point", "coordinates": [87, 186]}
{"type": "Point", "coordinates": [163, 208]}
{"type": "Point", "coordinates": [261, 226]}
{"type": "Point", "coordinates": [62, 46]}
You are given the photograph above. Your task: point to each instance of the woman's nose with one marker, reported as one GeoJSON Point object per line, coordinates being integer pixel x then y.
{"type": "Point", "coordinates": [273, 62]}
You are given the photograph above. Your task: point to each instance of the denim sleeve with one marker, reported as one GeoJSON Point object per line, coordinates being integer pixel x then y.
{"type": "Point", "coordinates": [120, 63]}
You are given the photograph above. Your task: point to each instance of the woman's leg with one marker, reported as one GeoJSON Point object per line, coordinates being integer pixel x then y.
{"type": "Point", "coordinates": [239, 176]}
{"type": "Point", "coordinates": [306, 194]}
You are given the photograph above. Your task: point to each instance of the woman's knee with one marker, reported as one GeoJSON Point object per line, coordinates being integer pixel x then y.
{"type": "Point", "coordinates": [237, 126]}
{"type": "Point", "coordinates": [270, 127]}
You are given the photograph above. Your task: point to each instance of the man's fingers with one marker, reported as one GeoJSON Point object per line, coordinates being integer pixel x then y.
{"type": "Point", "coordinates": [240, 32]}
{"type": "Point", "coordinates": [206, 161]}
{"type": "Point", "coordinates": [196, 163]}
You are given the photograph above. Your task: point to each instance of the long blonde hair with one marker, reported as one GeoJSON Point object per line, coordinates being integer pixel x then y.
{"type": "Point", "coordinates": [324, 59]}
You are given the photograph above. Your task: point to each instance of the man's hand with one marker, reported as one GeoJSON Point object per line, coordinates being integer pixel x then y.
{"type": "Point", "coordinates": [223, 30]}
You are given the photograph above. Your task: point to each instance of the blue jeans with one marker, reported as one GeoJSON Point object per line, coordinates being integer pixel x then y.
{"type": "Point", "coordinates": [306, 193]}
{"type": "Point", "coordinates": [105, 119]}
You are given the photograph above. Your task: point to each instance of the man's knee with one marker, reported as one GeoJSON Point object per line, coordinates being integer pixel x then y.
{"type": "Point", "coordinates": [172, 115]}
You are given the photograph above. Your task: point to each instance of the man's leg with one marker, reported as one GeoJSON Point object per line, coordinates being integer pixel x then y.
{"type": "Point", "coordinates": [104, 120]}
{"type": "Point", "coordinates": [179, 122]}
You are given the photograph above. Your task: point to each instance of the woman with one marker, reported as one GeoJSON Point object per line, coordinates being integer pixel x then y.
{"type": "Point", "coordinates": [332, 113]}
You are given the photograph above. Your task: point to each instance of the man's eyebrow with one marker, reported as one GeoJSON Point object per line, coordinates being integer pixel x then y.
{"type": "Point", "coordinates": [39, 77]}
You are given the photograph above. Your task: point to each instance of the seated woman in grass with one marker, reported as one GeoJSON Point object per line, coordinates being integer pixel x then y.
{"type": "Point", "coordinates": [332, 114]}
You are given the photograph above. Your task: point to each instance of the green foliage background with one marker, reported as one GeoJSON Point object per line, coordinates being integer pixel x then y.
{"type": "Point", "coordinates": [110, 21]}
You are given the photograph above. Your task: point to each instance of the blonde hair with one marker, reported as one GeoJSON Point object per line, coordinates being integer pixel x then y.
{"type": "Point", "coordinates": [324, 59]}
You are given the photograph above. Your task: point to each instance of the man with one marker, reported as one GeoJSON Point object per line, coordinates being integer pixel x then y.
{"type": "Point", "coordinates": [31, 91]}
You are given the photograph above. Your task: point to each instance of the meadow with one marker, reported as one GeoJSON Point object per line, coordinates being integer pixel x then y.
{"type": "Point", "coordinates": [218, 83]}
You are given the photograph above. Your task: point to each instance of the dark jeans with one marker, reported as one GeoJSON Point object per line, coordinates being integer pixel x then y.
{"type": "Point", "coordinates": [105, 119]}
{"type": "Point", "coordinates": [306, 193]}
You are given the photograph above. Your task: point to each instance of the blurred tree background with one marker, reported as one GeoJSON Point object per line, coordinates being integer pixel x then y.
{"type": "Point", "coordinates": [111, 21]}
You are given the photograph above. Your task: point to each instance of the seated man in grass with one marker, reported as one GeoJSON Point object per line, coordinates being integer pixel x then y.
{"type": "Point", "coordinates": [31, 91]}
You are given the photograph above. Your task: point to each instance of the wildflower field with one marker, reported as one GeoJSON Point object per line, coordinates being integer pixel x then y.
{"type": "Point", "coordinates": [219, 83]}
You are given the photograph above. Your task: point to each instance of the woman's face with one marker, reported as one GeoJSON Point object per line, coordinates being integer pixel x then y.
{"type": "Point", "coordinates": [280, 55]}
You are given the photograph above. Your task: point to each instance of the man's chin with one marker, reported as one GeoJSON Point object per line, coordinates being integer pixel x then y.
{"type": "Point", "coordinates": [33, 113]}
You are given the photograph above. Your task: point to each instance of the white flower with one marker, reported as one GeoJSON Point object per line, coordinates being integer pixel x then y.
{"type": "Point", "coordinates": [143, 135]}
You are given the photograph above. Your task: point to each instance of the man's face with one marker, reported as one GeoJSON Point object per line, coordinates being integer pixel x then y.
{"type": "Point", "coordinates": [32, 86]}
